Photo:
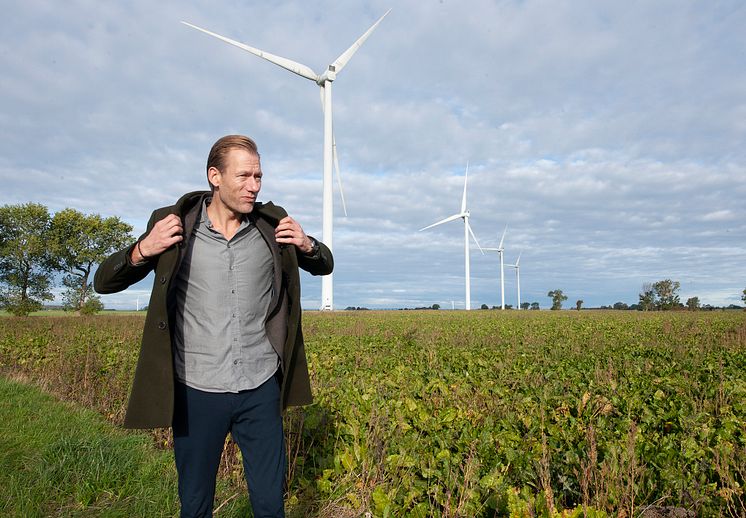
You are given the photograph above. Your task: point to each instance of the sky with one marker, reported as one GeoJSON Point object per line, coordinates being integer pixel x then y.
{"type": "Point", "coordinates": [608, 136]}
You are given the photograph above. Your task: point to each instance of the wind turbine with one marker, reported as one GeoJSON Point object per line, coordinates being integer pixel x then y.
{"type": "Point", "coordinates": [500, 251]}
{"type": "Point", "coordinates": [464, 214]}
{"type": "Point", "coordinates": [517, 278]}
{"type": "Point", "coordinates": [325, 82]}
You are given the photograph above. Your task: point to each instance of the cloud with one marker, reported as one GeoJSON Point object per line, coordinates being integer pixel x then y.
{"type": "Point", "coordinates": [608, 137]}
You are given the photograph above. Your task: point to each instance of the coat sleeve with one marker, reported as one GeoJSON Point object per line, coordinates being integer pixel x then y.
{"type": "Point", "coordinates": [117, 273]}
{"type": "Point", "coordinates": [321, 263]}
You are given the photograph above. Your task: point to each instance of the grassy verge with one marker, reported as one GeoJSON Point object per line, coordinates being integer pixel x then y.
{"type": "Point", "coordinates": [56, 460]}
{"type": "Point", "coordinates": [63, 313]}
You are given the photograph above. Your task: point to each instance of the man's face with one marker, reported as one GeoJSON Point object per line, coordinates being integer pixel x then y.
{"type": "Point", "coordinates": [238, 185]}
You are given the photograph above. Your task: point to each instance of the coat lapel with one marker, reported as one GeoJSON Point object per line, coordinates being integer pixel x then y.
{"type": "Point", "coordinates": [268, 233]}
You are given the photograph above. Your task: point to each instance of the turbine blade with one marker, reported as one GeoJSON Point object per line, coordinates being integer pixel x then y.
{"type": "Point", "coordinates": [339, 175]}
{"type": "Point", "coordinates": [463, 199]}
{"type": "Point", "coordinates": [503, 238]}
{"type": "Point", "coordinates": [287, 64]}
{"type": "Point", "coordinates": [518, 260]}
{"type": "Point", "coordinates": [446, 220]}
{"type": "Point", "coordinates": [473, 236]}
{"type": "Point", "coordinates": [342, 60]}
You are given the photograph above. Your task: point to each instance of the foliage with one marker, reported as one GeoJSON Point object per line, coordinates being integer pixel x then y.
{"type": "Point", "coordinates": [535, 305]}
{"type": "Point", "coordinates": [92, 306]}
{"type": "Point", "coordinates": [661, 295]}
{"type": "Point", "coordinates": [692, 303]}
{"type": "Point", "coordinates": [743, 297]}
{"type": "Point", "coordinates": [77, 243]}
{"type": "Point", "coordinates": [578, 304]}
{"type": "Point", "coordinates": [557, 298]}
{"type": "Point", "coordinates": [472, 413]}
{"type": "Point", "coordinates": [25, 270]}
{"type": "Point", "coordinates": [666, 294]}
{"type": "Point", "coordinates": [647, 297]}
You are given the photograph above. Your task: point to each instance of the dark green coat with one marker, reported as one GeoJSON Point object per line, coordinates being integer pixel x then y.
{"type": "Point", "coordinates": [151, 401]}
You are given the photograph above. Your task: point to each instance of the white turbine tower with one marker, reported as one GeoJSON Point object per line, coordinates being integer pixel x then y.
{"type": "Point", "coordinates": [464, 214]}
{"type": "Point", "coordinates": [500, 250]}
{"type": "Point", "coordinates": [517, 278]}
{"type": "Point", "coordinates": [325, 82]}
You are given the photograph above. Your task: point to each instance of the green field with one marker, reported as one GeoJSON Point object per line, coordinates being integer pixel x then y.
{"type": "Point", "coordinates": [444, 413]}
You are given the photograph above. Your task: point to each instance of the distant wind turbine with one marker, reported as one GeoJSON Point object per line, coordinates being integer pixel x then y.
{"type": "Point", "coordinates": [517, 277]}
{"type": "Point", "coordinates": [325, 82]}
{"type": "Point", "coordinates": [464, 214]}
{"type": "Point", "coordinates": [500, 251]}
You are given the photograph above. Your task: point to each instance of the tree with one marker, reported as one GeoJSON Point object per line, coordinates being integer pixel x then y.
{"type": "Point", "coordinates": [535, 305]}
{"type": "Point", "coordinates": [647, 297]}
{"type": "Point", "coordinates": [620, 305]}
{"type": "Point", "coordinates": [484, 306]}
{"type": "Point", "coordinates": [525, 305]}
{"type": "Point", "coordinates": [692, 303]}
{"type": "Point", "coordinates": [557, 297]}
{"type": "Point", "coordinates": [666, 296]}
{"type": "Point", "coordinates": [436, 306]}
{"type": "Point", "coordinates": [25, 268]}
{"type": "Point", "coordinates": [578, 304]}
{"type": "Point", "coordinates": [78, 242]}
{"type": "Point", "coordinates": [743, 297]}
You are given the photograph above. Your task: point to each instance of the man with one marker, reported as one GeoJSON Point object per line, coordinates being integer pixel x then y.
{"type": "Point", "coordinates": [222, 348]}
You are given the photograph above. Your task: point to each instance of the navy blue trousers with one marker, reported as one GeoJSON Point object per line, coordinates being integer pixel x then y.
{"type": "Point", "coordinates": [201, 423]}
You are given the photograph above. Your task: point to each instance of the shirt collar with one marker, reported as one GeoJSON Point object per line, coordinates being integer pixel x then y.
{"type": "Point", "coordinates": [204, 218]}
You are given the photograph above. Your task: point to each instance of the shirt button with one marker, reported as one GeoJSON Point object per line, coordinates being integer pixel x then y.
{"type": "Point", "coordinates": [161, 325]}
{"type": "Point", "coordinates": [233, 291]}
{"type": "Point", "coordinates": [235, 362]}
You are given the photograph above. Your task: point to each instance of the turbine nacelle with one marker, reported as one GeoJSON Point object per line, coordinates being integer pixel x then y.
{"type": "Point", "coordinates": [329, 75]}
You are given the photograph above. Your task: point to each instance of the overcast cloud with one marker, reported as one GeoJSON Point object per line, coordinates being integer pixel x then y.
{"type": "Point", "coordinates": [608, 136]}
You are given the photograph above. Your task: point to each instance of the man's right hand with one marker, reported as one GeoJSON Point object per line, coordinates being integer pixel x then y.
{"type": "Point", "coordinates": [165, 233]}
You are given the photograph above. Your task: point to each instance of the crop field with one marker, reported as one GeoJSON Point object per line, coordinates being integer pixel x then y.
{"type": "Point", "coordinates": [442, 413]}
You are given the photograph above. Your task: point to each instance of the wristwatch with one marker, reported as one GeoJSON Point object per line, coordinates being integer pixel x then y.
{"type": "Point", "coordinates": [314, 247]}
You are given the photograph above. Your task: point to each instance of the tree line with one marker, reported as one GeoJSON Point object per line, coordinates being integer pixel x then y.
{"type": "Point", "coordinates": [35, 247]}
{"type": "Point", "coordinates": [656, 296]}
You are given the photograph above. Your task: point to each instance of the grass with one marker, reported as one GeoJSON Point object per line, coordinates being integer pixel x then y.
{"type": "Point", "coordinates": [63, 313]}
{"type": "Point", "coordinates": [58, 460]}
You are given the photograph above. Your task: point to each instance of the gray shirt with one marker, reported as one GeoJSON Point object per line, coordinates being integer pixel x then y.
{"type": "Point", "coordinates": [222, 296]}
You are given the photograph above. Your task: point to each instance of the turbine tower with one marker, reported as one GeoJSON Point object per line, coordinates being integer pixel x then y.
{"type": "Point", "coordinates": [325, 82]}
{"type": "Point", "coordinates": [517, 278]}
{"type": "Point", "coordinates": [500, 251]}
{"type": "Point", "coordinates": [464, 214]}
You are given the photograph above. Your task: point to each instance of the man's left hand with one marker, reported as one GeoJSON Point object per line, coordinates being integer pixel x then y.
{"type": "Point", "coordinates": [289, 232]}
